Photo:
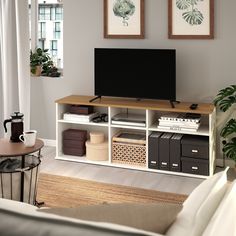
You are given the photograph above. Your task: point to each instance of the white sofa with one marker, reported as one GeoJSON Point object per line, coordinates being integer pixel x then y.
{"type": "Point", "coordinates": [209, 210]}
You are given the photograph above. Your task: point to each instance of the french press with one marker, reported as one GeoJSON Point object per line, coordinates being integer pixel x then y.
{"type": "Point", "coordinates": [17, 126]}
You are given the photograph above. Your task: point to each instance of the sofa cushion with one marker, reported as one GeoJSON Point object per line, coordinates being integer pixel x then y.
{"type": "Point", "coordinates": [150, 217]}
{"type": "Point", "coordinates": [200, 206]}
{"type": "Point", "coordinates": [21, 219]}
{"type": "Point", "coordinates": [223, 221]}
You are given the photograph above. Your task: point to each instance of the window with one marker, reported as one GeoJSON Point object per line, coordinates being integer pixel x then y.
{"type": "Point", "coordinates": [53, 48]}
{"type": "Point", "coordinates": [42, 30]}
{"type": "Point", "coordinates": [47, 27]}
{"type": "Point", "coordinates": [57, 13]}
{"type": "Point", "coordinates": [41, 44]}
{"type": "Point", "coordinates": [57, 30]}
{"type": "Point", "coordinates": [44, 12]}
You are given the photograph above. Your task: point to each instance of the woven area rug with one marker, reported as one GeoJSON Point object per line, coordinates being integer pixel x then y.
{"type": "Point", "coordinates": [61, 191]}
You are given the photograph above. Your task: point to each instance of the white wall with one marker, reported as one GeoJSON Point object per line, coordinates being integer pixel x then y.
{"type": "Point", "coordinates": [203, 66]}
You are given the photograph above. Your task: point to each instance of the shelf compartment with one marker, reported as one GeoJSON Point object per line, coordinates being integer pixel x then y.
{"type": "Point", "coordinates": [202, 130]}
{"type": "Point", "coordinates": [128, 127]}
{"type": "Point", "coordinates": [129, 148]}
{"type": "Point", "coordinates": [104, 124]}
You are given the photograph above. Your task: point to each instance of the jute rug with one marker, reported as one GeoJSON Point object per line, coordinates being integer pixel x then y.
{"type": "Point", "coordinates": [60, 191]}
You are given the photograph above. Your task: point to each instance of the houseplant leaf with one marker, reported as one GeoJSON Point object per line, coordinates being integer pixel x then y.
{"type": "Point", "coordinates": [183, 4]}
{"type": "Point", "coordinates": [229, 128]}
{"type": "Point", "coordinates": [194, 17]}
{"type": "Point", "coordinates": [230, 149]}
{"type": "Point", "coordinates": [226, 98]}
{"type": "Point", "coordinates": [226, 103]}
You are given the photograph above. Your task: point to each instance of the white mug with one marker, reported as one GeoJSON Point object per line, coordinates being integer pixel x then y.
{"type": "Point", "coordinates": [28, 138]}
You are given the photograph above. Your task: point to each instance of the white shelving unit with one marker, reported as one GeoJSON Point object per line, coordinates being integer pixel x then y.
{"type": "Point", "coordinates": [151, 109]}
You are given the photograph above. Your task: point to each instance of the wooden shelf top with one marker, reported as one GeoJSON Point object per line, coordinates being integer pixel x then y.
{"type": "Point", "coordinates": [159, 105]}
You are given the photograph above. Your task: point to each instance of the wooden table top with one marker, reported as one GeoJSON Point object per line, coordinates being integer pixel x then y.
{"type": "Point", "coordinates": [10, 149]}
{"type": "Point", "coordinates": [158, 105]}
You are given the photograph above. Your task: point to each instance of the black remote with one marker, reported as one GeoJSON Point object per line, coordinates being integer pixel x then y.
{"type": "Point", "coordinates": [193, 106]}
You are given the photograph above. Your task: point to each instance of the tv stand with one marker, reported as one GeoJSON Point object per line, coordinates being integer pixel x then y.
{"type": "Point", "coordinates": [93, 99]}
{"type": "Point", "coordinates": [151, 110]}
{"type": "Point", "coordinates": [172, 103]}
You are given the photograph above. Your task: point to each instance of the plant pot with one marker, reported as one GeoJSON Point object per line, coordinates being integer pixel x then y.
{"type": "Point", "coordinates": [37, 71]}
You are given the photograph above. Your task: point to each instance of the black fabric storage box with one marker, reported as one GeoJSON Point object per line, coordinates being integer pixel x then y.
{"type": "Point", "coordinates": [175, 152]}
{"type": "Point", "coordinates": [74, 151]}
{"type": "Point", "coordinates": [195, 166]}
{"type": "Point", "coordinates": [69, 143]}
{"type": "Point", "coordinates": [164, 151]}
{"type": "Point", "coordinates": [80, 110]}
{"type": "Point", "coordinates": [195, 146]}
{"type": "Point", "coordinates": [75, 134]}
{"type": "Point", "coordinates": [74, 142]}
{"type": "Point", "coordinates": [153, 150]}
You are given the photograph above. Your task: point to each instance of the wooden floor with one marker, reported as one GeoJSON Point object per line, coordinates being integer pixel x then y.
{"type": "Point", "coordinates": [140, 179]}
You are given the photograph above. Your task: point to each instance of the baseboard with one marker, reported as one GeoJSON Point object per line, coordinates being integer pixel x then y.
{"type": "Point", "coordinates": [230, 163]}
{"type": "Point", "coordinates": [49, 142]}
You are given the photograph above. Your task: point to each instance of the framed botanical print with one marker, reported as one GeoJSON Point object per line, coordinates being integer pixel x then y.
{"type": "Point", "coordinates": [124, 19]}
{"type": "Point", "coordinates": [191, 19]}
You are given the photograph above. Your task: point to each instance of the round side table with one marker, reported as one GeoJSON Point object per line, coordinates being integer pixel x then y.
{"type": "Point", "coordinates": [10, 149]}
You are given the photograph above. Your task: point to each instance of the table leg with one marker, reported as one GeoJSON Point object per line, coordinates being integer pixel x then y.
{"type": "Point", "coordinates": [36, 203]}
{"type": "Point", "coordinates": [22, 179]}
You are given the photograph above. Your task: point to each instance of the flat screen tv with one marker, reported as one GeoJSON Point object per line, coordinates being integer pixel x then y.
{"type": "Point", "coordinates": [135, 73]}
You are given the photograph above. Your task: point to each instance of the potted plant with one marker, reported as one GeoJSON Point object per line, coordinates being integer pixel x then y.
{"type": "Point", "coordinates": [48, 69]}
{"type": "Point", "coordinates": [225, 100]}
{"type": "Point", "coordinates": [37, 59]}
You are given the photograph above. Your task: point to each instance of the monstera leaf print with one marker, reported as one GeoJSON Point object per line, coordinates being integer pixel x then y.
{"type": "Point", "coordinates": [183, 4]}
{"type": "Point", "coordinates": [193, 16]}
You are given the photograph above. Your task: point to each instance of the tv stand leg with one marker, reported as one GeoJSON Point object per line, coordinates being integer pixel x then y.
{"type": "Point", "coordinates": [172, 103]}
{"type": "Point", "coordinates": [97, 97]}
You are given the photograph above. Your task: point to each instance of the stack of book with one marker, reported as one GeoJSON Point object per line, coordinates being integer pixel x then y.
{"type": "Point", "coordinates": [182, 121]}
{"type": "Point", "coordinates": [79, 118]}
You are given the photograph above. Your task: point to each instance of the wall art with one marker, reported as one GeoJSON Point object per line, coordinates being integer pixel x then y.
{"type": "Point", "coordinates": [124, 19]}
{"type": "Point", "coordinates": [191, 19]}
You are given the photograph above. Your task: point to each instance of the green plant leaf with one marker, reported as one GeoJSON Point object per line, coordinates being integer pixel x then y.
{"type": "Point", "coordinates": [229, 149]}
{"type": "Point", "coordinates": [194, 2]}
{"type": "Point", "coordinates": [183, 4]}
{"type": "Point", "coordinates": [194, 17]}
{"type": "Point", "coordinates": [226, 103]}
{"type": "Point", "coordinates": [226, 98]}
{"type": "Point", "coordinates": [229, 128]}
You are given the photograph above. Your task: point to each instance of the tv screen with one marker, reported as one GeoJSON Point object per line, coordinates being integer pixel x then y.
{"type": "Point", "coordinates": [135, 73]}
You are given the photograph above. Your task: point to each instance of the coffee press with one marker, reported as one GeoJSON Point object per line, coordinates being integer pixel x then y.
{"type": "Point", "coordinates": [17, 126]}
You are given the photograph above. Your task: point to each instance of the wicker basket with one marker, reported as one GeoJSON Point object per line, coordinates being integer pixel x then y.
{"type": "Point", "coordinates": [128, 151]}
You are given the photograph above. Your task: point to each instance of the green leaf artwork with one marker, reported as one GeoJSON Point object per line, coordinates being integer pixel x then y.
{"type": "Point", "coordinates": [124, 9]}
{"type": "Point", "coordinates": [192, 16]}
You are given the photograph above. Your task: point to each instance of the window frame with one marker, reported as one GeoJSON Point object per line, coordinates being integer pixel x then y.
{"type": "Point", "coordinates": [34, 17]}
{"type": "Point", "coordinates": [57, 30]}
{"type": "Point", "coordinates": [54, 47]}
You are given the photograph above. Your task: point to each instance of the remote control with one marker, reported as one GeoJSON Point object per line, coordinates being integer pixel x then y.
{"type": "Point", "coordinates": [193, 106]}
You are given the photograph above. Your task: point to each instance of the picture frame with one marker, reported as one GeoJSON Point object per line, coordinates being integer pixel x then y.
{"type": "Point", "coordinates": [191, 19]}
{"type": "Point", "coordinates": [124, 19]}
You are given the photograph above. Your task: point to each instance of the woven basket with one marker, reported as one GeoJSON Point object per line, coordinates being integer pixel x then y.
{"type": "Point", "coordinates": [126, 151]}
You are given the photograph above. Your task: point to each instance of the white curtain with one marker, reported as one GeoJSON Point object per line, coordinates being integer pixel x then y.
{"type": "Point", "coordinates": [14, 59]}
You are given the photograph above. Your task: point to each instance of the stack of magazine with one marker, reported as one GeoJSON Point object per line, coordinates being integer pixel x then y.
{"type": "Point", "coordinates": [79, 118]}
{"type": "Point", "coordinates": [180, 121]}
